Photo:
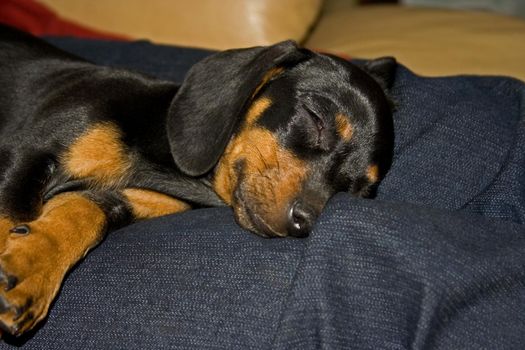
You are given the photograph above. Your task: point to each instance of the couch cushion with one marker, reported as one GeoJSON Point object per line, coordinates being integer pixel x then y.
{"type": "Point", "coordinates": [429, 41]}
{"type": "Point", "coordinates": [204, 23]}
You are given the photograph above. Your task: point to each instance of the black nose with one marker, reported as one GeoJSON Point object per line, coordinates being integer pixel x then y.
{"type": "Point", "coordinates": [301, 218]}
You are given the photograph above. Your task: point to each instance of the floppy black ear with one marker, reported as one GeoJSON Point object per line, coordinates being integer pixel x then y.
{"type": "Point", "coordinates": [208, 106]}
{"type": "Point", "coordinates": [383, 70]}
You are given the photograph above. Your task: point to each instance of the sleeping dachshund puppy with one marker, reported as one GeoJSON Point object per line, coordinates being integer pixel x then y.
{"type": "Point", "coordinates": [273, 132]}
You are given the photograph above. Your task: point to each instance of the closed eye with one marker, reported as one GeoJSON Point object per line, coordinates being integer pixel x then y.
{"type": "Point", "coordinates": [319, 123]}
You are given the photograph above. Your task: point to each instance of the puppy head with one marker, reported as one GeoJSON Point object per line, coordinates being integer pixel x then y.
{"type": "Point", "coordinates": [282, 129]}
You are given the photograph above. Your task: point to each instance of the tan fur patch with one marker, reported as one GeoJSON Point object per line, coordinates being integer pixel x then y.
{"type": "Point", "coordinates": [372, 173]}
{"type": "Point", "coordinates": [98, 154]}
{"type": "Point", "coordinates": [149, 204]}
{"type": "Point", "coordinates": [257, 109]}
{"type": "Point", "coordinates": [343, 127]}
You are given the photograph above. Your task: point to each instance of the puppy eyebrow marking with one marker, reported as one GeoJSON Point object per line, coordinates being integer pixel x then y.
{"type": "Point", "coordinates": [100, 154]}
{"type": "Point", "coordinates": [372, 173]}
{"type": "Point", "coordinates": [343, 127]}
{"type": "Point", "coordinates": [266, 78]}
{"type": "Point", "coordinates": [257, 109]}
{"type": "Point", "coordinates": [150, 204]}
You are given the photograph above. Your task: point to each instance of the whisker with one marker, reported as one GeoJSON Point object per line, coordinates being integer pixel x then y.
{"type": "Point", "coordinates": [261, 157]}
{"type": "Point", "coordinates": [276, 154]}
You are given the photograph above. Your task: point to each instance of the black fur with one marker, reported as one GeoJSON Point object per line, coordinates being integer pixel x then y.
{"type": "Point", "coordinates": [50, 97]}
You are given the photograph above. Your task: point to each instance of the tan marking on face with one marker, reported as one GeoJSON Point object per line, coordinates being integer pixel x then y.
{"type": "Point", "coordinates": [68, 227]}
{"type": "Point", "coordinates": [98, 154]}
{"type": "Point", "coordinates": [257, 109]}
{"type": "Point", "coordinates": [266, 78]}
{"type": "Point", "coordinates": [343, 127]}
{"type": "Point", "coordinates": [272, 176]}
{"type": "Point", "coordinates": [148, 204]}
{"type": "Point", "coordinates": [372, 173]}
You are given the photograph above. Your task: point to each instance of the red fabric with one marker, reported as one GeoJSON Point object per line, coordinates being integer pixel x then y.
{"type": "Point", "coordinates": [38, 19]}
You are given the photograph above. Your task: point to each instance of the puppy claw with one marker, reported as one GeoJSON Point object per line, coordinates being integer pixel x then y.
{"type": "Point", "coordinates": [19, 310]}
{"type": "Point", "coordinates": [12, 281]}
{"type": "Point", "coordinates": [9, 281]}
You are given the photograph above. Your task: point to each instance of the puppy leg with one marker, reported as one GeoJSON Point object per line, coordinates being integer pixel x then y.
{"type": "Point", "coordinates": [147, 204]}
{"type": "Point", "coordinates": [37, 255]}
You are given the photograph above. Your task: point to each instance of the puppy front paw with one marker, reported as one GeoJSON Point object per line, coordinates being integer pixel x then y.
{"type": "Point", "coordinates": [35, 257]}
{"type": "Point", "coordinates": [30, 277]}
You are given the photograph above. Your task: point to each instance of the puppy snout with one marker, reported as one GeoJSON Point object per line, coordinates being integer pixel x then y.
{"type": "Point", "coordinates": [301, 218]}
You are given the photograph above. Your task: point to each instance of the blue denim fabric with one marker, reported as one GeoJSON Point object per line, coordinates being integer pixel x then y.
{"type": "Point", "coordinates": [437, 261]}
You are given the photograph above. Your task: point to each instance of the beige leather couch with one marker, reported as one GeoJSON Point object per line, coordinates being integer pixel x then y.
{"type": "Point", "coordinates": [428, 41]}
